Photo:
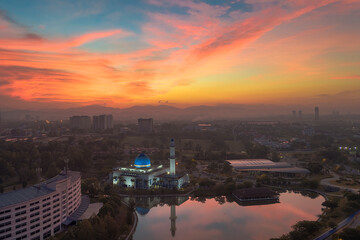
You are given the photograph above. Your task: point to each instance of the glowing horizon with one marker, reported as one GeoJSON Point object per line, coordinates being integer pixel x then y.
{"type": "Point", "coordinates": [179, 52]}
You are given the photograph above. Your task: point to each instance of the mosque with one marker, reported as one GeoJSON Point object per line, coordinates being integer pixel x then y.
{"type": "Point", "coordinates": [143, 175]}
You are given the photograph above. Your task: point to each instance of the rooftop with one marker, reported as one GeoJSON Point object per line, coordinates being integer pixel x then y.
{"type": "Point", "coordinates": [283, 170]}
{"type": "Point", "coordinates": [33, 192]}
{"type": "Point", "coordinates": [23, 195]}
{"type": "Point", "coordinates": [257, 163]}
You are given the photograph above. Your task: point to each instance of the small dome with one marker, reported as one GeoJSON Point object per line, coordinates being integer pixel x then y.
{"type": "Point", "coordinates": [142, 211]}
{"type": "Point", "coordinates": [142, 161]}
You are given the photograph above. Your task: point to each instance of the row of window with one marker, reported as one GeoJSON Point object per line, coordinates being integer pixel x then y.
{"type": "Point", "coordinates": [20, 207]}
{"type": "Point", "coordinates": [5, 230]}
{"type": "Point", "coordinates": [46, 204]}
{"type": "Point", "coordinates": [20, 225]}
{"type": "Point", "coordinates": [20, 231]}
{"type": "Point", "coordinates": [20, 213]}
{"type": "Point", "coordinates": [34, 203]}
{"type": "Point", "coordinates": [47, 226]}
{"type": "Point", "coordinates": [34, 220]}
{"type": "Point", "coordinates": [35, 226]}
{"type": "Point", "coordinates": [47, 220]}
{"type": "Point", "coordinates": [5, 224]}
{"type": "Point", "coordinates": [46, 209]}
{"type": "Point", "coordinates": [5, 236]}
{"type": "Point", "coordinates": [34, 208]}
{"type": "Point", "coordinates": [31, 204]}
{"type": "Point", "coordinates": [20, 219]}
{"type": "Point", "coordinates": [22, 237]}
{"type": "Point", "coordinates": [34, 214]}
{"type": "Point", "coordinates": [35, 232]}
{"type": "Point", "coordinates": [47, 234]}
{"type": "Point", "coordinates": [4, 217]}
{"type": "Point", "coordinates": [5, 211]}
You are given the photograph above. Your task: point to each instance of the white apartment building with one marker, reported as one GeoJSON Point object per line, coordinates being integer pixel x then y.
{"type": "Point", "coordinates": [38, 212]}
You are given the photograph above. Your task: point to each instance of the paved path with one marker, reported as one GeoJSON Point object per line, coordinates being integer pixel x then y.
{"type": "Point", "coordinates": [327, 182]}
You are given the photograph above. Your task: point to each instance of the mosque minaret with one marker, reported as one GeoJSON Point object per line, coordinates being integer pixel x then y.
{"type": "Point", "coordinates": [172, 157]}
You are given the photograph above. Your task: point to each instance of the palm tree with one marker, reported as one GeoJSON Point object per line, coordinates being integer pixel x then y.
{"type": "Point", "coordinates": [122, 180]}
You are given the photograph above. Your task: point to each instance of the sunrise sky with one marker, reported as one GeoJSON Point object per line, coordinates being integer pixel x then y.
{"type": "Point", "coordinates": [124, 53]}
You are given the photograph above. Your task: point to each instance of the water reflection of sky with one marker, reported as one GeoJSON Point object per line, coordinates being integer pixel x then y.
{"type": "Point", "coordinates": [210, 220]}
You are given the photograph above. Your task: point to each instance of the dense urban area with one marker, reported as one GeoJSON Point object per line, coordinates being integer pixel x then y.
{"type": "Point", "coordinates": [311, 156]}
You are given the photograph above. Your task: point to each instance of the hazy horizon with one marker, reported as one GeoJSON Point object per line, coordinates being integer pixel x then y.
{"type": "Point", "coordinates": [194, 113]}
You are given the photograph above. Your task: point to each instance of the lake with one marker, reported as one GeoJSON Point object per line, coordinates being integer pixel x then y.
{"type": "Point", "coordinates": [221, 218]}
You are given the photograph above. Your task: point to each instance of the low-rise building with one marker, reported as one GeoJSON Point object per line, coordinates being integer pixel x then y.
{"type": "Point", "coordinates": [265, 166]}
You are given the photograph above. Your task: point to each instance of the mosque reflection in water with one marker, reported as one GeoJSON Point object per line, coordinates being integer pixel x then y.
{"type": "Point", "coordinates": [222, 217]}
{"type": "Point", "coordinates": [144, 204]}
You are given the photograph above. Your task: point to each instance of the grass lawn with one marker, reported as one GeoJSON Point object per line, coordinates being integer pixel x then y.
{"type": "Point", "coordinates": [350, 184]}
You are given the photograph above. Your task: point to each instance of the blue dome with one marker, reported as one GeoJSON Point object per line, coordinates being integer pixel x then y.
{"type": "Point", "coordinates": [142, 161]}
{"type": "Point", "coordinates": [142, 211]}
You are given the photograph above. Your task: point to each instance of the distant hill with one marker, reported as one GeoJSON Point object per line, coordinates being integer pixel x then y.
{"type": "Point", "coordinates": [160, 112]}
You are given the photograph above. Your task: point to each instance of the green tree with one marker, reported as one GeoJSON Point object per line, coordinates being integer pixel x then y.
{"type": "Point", "coordinates": [275, 157]}
{"type": "Point", "coordinates": [330, 204]}
{"type": "Point", "coordinates": [86, 231]}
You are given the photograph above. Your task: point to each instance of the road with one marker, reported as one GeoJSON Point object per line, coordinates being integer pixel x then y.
{"type": "Point", "coordinates": [355, 222]}
{"type": "Point", "coordinates": [327, 182]}
{"type": "Point", "coordinates": [345, 223]}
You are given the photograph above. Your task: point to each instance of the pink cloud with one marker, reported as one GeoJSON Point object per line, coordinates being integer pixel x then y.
{"type": "Point", "coordinates": [180, 48]}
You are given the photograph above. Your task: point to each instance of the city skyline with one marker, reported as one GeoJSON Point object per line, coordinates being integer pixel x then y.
{"type": "Point", "coordinates": [185, 53]}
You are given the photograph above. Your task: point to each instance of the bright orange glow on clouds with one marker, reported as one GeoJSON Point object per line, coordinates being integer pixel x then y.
{"type": "Point", "coordinates": [186, 52]}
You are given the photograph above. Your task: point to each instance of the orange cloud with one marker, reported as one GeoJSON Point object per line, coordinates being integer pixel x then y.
{"type": "Point", "coordinates": [210, 54]}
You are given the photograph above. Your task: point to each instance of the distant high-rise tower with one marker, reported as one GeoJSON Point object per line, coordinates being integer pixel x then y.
{"type": "Point", "coordinates": [294, 114]}
{"type": "Point", "coordinates": [145, 125]}
{"type": "Point", "coordinates": [300, 114]}
{"type": "Point", "coordinates": [172, 157]}
{"type": "Point", "coordinates": [103, 122]}
{"type": "Point", "coordinates": [173, 220]}
{"type": "Point", "coordinates": [80, 122]}
{"type": "Point", "coordinates": [316, 113]}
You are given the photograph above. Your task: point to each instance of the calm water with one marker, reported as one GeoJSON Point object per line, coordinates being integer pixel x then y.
{"type": "Point", "coordinates": [191, 219]}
